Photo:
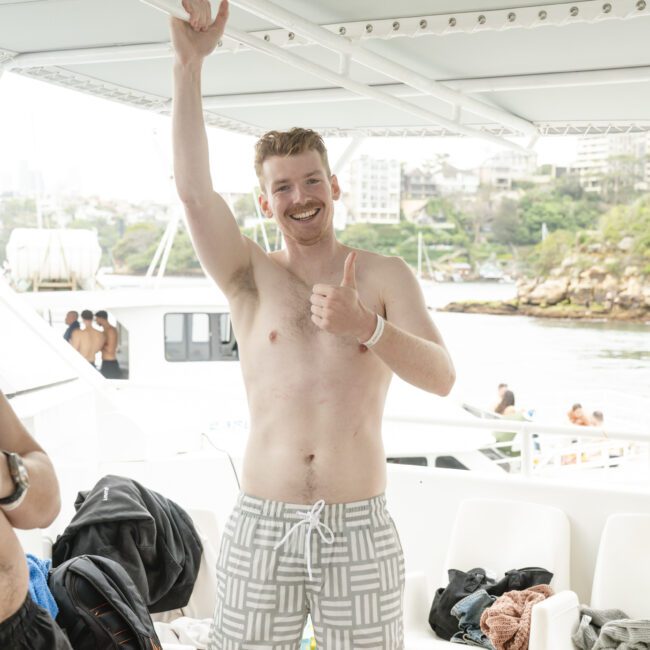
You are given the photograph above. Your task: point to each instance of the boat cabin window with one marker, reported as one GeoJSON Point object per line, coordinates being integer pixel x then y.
{"type": "Point", "coordinates": [199, 336]}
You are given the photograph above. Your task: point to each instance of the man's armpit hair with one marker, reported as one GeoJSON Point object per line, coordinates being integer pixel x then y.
{"type": "Point", "coordinates": [243, 281]}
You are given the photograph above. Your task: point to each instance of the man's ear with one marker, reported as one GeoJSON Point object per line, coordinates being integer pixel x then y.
{"type": "Point", "coordinates": [265, 207]}
{"type": "Point", "coordinates": [336, 190]}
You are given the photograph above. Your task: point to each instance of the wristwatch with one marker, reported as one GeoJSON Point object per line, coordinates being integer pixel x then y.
{"type": "Point", "coordinates": [20, 477]}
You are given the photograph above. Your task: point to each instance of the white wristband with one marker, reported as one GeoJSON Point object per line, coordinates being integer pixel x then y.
{"type": "Point", "coordinates": [376, 335]}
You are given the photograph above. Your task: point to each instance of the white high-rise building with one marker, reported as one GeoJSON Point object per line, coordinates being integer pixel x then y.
{"type": "Point", "coordinates": [598, 154]}
{"type": "Point", "coordinates": [374, 195]}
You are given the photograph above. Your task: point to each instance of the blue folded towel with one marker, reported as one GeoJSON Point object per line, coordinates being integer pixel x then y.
{"type": "Point", "coordinates": [38, 589]}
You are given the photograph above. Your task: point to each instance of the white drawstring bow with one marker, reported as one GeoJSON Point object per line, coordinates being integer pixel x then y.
{"type": "Point", "coordinates": [312, 519]}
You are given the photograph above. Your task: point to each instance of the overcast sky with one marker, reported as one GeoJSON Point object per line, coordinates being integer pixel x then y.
{"type": "Point", "coordinates": [86, 145]}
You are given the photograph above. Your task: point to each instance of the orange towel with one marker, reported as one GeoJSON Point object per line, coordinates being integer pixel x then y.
{"type": "Point", "coordinates": [507, 622]}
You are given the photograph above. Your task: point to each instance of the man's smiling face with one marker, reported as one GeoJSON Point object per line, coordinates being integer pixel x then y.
{"type": "Point", "coordinates": [299, 193]}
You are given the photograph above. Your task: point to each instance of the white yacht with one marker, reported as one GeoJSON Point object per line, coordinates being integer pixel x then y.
{"type": "Point", "coordinates": [505, 72]}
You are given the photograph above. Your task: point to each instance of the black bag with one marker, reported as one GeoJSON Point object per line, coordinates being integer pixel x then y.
{"type": "Point", "coordinates": [462, 584]}
{"type": "Point", "coordinates": [520, 579]}
{"type": "Point", "coordinates": [100, 607]}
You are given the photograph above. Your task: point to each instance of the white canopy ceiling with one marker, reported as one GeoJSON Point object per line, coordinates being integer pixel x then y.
{"type": "Point", "coordinates": [363, 67]}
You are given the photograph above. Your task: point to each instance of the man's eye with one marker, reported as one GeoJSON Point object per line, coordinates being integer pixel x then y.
{"type": "Point", "coordinates": [282, 188]}
{"type": "Point", "coordinates": [312, 181]}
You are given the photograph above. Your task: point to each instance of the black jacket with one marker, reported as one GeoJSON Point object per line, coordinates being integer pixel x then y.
{"type": "Point", "coordinates": [150, 536]}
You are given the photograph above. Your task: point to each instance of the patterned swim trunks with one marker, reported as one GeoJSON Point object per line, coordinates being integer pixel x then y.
{"type": "Point", "coordinates": [342, 563]}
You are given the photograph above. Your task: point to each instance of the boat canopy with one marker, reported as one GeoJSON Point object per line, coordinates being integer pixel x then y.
{"type": "Point", "coordinates": [496, 70]}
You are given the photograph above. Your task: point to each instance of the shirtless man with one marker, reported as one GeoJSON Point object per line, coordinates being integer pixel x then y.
{"type": "Point", "coordinates": [87, 341]}
{"type": "Point", "coordinates": [110, 367]}
{"type": "Point", "coordinates": [29, 498]}
{"type": "Point", "coordinates": [321, 328]}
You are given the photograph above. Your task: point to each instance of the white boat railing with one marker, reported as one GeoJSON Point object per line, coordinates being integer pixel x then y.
{"type": "Point", "coordinates": [530, 432]}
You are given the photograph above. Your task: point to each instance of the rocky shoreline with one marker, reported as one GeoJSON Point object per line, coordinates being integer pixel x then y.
{"type": "Point", "coordinates": [591, 294]}
{"type": "Point", "coordinates": [566, 311]}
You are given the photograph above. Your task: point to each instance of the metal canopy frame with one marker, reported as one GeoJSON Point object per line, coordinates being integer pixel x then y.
{"type": "Point", "coordinates": [293, 32]}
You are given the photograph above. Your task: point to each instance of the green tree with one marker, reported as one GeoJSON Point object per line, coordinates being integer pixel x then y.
{"type": "Point", "coordinates": [244, 207]}
{"type": "Point", "coordinates": [549, 254]}
{"type": "Point", "coordinates": [108, 234]}
{"type": "Point", "coordinates": [182, 258]}
{"type": "Point", "coordinates": [619, 184]}
{"type": "Point", "coordinates": [630, 221]}
{"type": "Point", "coordinates": [134, 251]}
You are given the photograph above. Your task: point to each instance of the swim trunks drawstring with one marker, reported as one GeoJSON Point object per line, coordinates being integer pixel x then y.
{"type": "Point", "coordinates": [312, 519]}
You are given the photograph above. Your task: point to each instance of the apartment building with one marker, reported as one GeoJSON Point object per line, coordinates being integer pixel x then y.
{"type": "Point", "coordinates": [374, 190]}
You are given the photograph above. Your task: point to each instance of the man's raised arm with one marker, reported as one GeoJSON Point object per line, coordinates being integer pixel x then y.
{"type": "Point", "coordinates": [222, 249]}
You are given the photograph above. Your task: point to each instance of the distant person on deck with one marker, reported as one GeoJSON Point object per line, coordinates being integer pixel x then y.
{"type": "Point", "coordinates": [87, 341]}
{"type": "Point", "coordinates": [110, 367]}
{"type": "Point", "coordinates": [29, 498]}
{"type": "Point", "coordinates": [578, 416]}
{"type": "Point", "coordinates": [597, 419]}
{"type": "Point", "coordinates": [501, 389]}
{"type": "Point", "coordinates": [506, 407]}
{"type": "Point", "coordinates": [72, 321]}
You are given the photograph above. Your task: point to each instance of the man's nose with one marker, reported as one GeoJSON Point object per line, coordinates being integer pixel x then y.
{"type": "Point", "coordinates": [299, 194]}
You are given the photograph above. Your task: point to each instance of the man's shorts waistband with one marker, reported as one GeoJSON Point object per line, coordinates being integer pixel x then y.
{"type": "Point", "coordinates": [338, 516]}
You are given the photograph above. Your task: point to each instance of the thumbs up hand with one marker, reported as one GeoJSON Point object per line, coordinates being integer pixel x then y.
{"type": "Point", "coordinates": [339, 310]}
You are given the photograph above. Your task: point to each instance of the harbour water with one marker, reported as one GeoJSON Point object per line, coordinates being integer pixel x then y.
{"type": "Point", "coordinates": [549, 364]}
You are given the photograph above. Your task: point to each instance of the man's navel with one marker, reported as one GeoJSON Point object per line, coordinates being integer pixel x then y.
{"type": "Point", "coordinates": [273, 336]}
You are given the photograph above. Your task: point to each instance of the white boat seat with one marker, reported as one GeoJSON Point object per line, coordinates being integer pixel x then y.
{"type": "Point", "coordinates": [497, 535]}
{"type": "Point", "coordinates": [621, 581]}
{"type": "Point", "coordinates": [622, 573]}
{"type": "Point", "coordinates": [500, 535]}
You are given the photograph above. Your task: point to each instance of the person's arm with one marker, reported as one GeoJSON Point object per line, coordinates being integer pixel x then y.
{"type": "Point", "coordinates": [222, 249]}
{"type": "Point", "coordinates": [75, 339]}
{"type": "Point", "coordinates": [411, 345]}
{"type": "Point", "coordinates": [42, 503]}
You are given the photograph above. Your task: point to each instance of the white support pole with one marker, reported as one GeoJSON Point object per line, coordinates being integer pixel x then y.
{"type": "Point", "coordinates": [347, 154]}
{"type": "Point", "coordinates": [260, 220]}
{"type": "Point", "coordinates": [428, 261]}
{"type": "Point", "coordinates": [532, 142]}
{"type": "Point", "coordinates": [321, 36]}
{"type": "Point", "coordinates": [158, 253]}
{"type": "Point", "coordinates": [419, 255]}
{"type": "Point", "coordinates": [173, 226]}
{"type": "Point", "coordinates": [526, 452]}
{"type": "Point", "coordinates": [91, 55]}
{"type": "Point", "coordinates": [344, 65]}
